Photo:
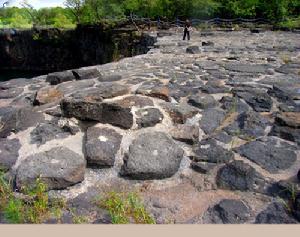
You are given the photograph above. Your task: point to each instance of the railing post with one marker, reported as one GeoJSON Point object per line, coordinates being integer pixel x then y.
{"type": "Point", "coordinates": [158, 22]}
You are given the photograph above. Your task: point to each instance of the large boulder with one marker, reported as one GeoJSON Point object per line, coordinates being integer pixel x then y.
{"type": "Point", "coordinates": [9, 152]}
{"type": "Point", "coordinates": [270, 153]}
{"type": "Point", "coordinates": [111, 113]}
{"type": "Point", "coordinates": [101, 146]}
{"type": "Point", "coordinates": [58, 168]}
{"type": "Point", "coordinates": [152, 156]}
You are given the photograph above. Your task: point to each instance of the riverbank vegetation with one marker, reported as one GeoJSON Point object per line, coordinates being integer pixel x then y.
{"type": "Point", "coordinates": [284, 13]}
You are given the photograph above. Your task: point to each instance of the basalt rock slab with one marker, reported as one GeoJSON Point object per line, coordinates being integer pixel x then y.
{"type": "Point", "coordinates": [270, 153]}
{"type": "Point", "coordinates": [234, 104]}
{"type": "Point", "coordinates": [211, 120]}
{"type": "Point", "coordinates": [111, 113]}
{"type": "Point", "coordinates": [202, 101]}
{"type": "Point", "coordinates": [248, 125]}
{"type": "Point", "coordinates": [152, 156]}
{"type": "Point", "coordinates": [101, 146]}
{"type": "Point", "coordinates": [17, 119]}
{"type": "Point", "coordinates": [193, 50]}
{"type": "Point", "coordinates": [9, 152]}
{"type": "Point", "coordinates": [148, 117]}
{"type": "Point", "coordinates": [286, 133]}
{"type": "Point", "coordinates": [58, 168]}
{"type": "Point", "coordinates": [84, 73]}
{"type": "Point", "coordinates": [48, 131]}
{"type": "Point", "coordinates": [238, 175]}
{"type": "Point", "coordinates": [275, 213]}
{"type": "Point", "coordinates": [259, 101]}
{"type": "Point", "coordinates": [81, 109]}
{"type": "Point", "coordinates": [208, 150]}
{"type": "Point", "coordinates": [60, 77]}
{"type": "Point", "coordinates": [228, 211]}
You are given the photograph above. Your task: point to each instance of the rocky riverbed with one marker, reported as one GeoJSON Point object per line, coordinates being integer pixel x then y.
{"type": "Point", "coordinates": [207, 131]}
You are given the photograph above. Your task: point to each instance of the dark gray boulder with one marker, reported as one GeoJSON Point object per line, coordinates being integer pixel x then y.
{"type": "Point", "coordinates": [60, 77]}
{"type": "Point", "coordinates": [117, 115]}
{"type": "Point", "coordinates": [85, 73]}
{"type": "Point", "coordinates": [275, 213]}
{"type": "Point", "coordinates": [9, 152]}
{"type": "Point", "coordinates": [81, 109]}
{"type": "Point", "coordinates": [48, 131]}
{"type": "Point", "coordinates": [228, 211]}
{"type": "Point", "coordinates": [259, 101]}
{"type": "Point", "coordinates": [248, 125]}
{"type": "Point", "coordinates": [202, 101]}
{"type": "Point", "coordinates": [152, 156]}
{"type": "Point", "coordinates": [208, 150]}
{"type": "Point", "coordinates": [148, 117]}
{"type": "Point", "coordinates": [234, 104]}
{"type": "Point", "coordinates": [193, 50]}
{"type": "Point", "coordinates": [18, 119]}
{"type": "Point", "coordinates": [238, 175]}
{"type": "Point", "coordinates": [58, 168]}
{"type": "Point", "coordinates": [270, 153]}
{"type": "Point", "coordinates": [101, 146]}
{"type": "Point", "coordinates": [211, 120]}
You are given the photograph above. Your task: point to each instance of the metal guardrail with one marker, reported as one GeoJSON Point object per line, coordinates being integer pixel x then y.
{"type": "Point", "coordinates": [179, 23]}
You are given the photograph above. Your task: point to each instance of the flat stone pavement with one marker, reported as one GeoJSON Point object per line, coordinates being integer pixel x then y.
{"type": "Point", "coordinates": [207, 130]}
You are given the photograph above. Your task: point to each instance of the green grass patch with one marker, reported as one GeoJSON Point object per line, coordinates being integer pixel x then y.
{"type": "Point", "coordinates": [125, 208]}
{"type": "Point", "coordinates": [33, 206]}
{"type": "Point", "coordinates": [290, 23]}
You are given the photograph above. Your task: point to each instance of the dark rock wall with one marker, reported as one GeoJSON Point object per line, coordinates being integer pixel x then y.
{"type": "Point", "coordinates": [55, 49]}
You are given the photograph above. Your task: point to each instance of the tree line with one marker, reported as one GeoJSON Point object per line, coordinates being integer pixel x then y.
{"type": "Point", "coordinates": [95, 11]}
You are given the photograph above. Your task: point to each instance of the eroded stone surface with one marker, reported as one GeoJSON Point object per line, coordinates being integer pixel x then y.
{"type": "Point", "coordinates": [152, 156]}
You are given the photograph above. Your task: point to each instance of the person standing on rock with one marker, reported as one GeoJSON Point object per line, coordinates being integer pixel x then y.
{"type": "Point", "coordinates": [187, 29]}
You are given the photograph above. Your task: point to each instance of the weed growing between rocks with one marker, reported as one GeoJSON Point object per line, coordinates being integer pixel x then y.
{"type": "Point", "coordinates": [125, 208]}
{"type": "Point", "coordinates": [33, 206]}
